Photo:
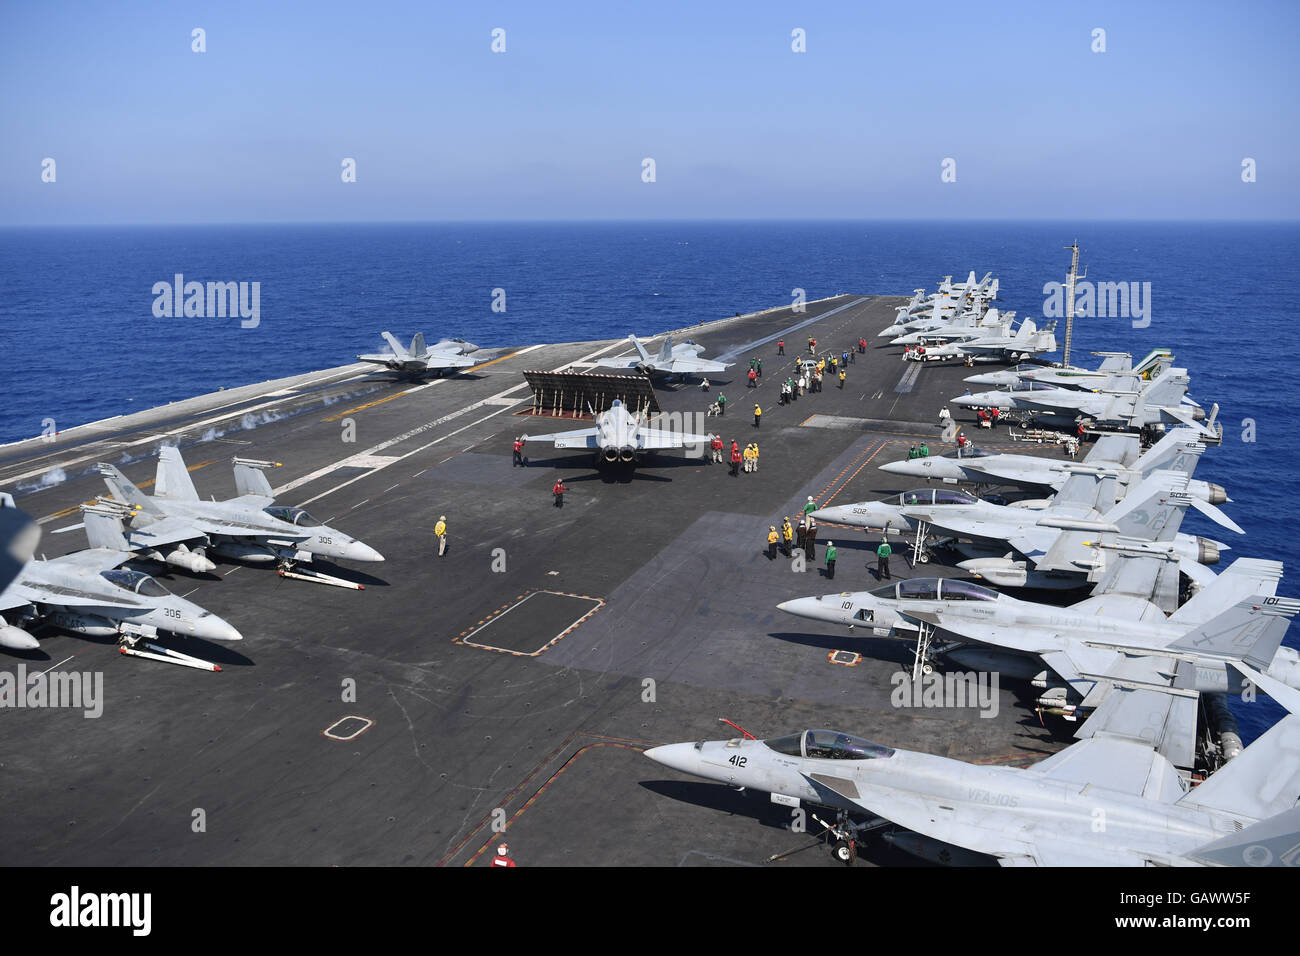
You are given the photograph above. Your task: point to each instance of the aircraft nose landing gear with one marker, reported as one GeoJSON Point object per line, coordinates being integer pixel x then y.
{"type": "Point", "coordinates": [847, 835]}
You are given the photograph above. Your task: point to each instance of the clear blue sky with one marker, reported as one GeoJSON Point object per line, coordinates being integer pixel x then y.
{"type": "Point", "coordinates": [255, 129]}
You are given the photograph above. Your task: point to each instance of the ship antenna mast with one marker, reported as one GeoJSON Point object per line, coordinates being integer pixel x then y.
{"type": "Point", "coordinates": [1070, 279]}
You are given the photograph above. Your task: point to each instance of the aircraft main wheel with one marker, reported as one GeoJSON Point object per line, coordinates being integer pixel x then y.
{"type": "Point", "coordinates": [927, 668]}
{"type": "Point", "coordinates": [924, 559]}
{"type": "Point", "coordinates": [843, 852]}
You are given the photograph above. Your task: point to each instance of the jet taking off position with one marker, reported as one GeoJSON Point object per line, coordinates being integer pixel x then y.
{"type": "Point", "coordinates": [1045, 815]}
{"type": "Point", "coordinates": [672, 360]}
{"type": "Point", "coordinates": [87, 593]}
{"type": "Point", "coordinates": [420, 359]}
{"type": "Point", "coordinates": [175, 526]}
{"type": "Point", "coordinates": [619, 437]}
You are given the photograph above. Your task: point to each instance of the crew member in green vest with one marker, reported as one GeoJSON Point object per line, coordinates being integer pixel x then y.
{"type": "Point", "coordinates": [882, 561]}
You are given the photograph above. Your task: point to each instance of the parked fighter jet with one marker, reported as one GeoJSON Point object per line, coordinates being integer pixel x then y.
{"type": "Point", "coordinates": [1115, 455]}
{"type": "Point", "coordinates": [621, 437]}
{"type": "Point", "coordinates": [977, 527]}
{"type": "Point", "coordinates": [87, 593]}
{"type": "Point", "coordinates": [1072, 544]}
{"type": "Point", "coordinates": [420, 359]}
{"type": "Point", "coordinates": [1123, 402]}
{"type": "Point", "coordinates": [175, 526]}
{"type": "Point", "coordinates": [1113, 363]}
{"type": "Point", "coordinates": [1043, 816]}
{"type": "Point", "coordinates": [683, 359]}
{"type": "Point", "coordinates": [1090, 648]}
{"type": "Point", "coordinates": [994, 345]}
{"type": "Point", "coordinates": [928, 330]}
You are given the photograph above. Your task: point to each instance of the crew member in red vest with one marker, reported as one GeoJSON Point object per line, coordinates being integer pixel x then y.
{"type": "Point", "coordinates": [558, 490]}
{"type": "Point", "coordinates": [519, 452]}
{"type": "Point", "coordinates": [503, 851]}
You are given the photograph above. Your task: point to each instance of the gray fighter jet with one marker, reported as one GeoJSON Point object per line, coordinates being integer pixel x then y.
{"type": "Point", "coordinates": [1115, 455]}
{"type": "Point", "coordinates": [619, 437]}
{"type": "Point", "coordinates": [420, 359]}
{"type": "Point", "coordinates": [992, 345]}
{"type": "Point", "coordinates": [1086, 657]}
{"type": "Point", "coordinates": [672, 360]}
{"type": "Point", "coordinates": [1124, 401]}
{"type": "Point", "coordinates": [89, 593]}
{"type": "Point", "coordinates": [1047, 815]}
{"type": "Point", "coordinates": [1049, 541]}
{"type": "Point", "coordinates": [1113, 363]}
{"type": "Point", "coordinates": [175, 526]}
{"type": "Point", "coordinates": [1064, 549]}
{"type": "Point", "coordinates": [949, 328]}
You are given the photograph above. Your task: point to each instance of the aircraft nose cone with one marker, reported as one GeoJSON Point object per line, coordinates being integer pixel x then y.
{"type": "Point", "coordinates": [808, 607]}
{"type": "Point", "coordinates": [681, 757]}
{"type": "Point", "coordinates": [212, 628]}
{"type": "Point", "coordinates": [898, 467]}
{"type": "Point", "coordinates": [360, 551]}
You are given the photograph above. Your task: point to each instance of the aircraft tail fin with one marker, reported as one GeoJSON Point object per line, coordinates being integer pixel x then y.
{"type": "Point", "coordinates": [1167, 388]}
{"type": "Point", "coordinates": [104, 527]}
{"type": "Point", "coordinates": [398, 349]}
{"type": "Point", "coordinates": [123, 490]}
{"type": "Point", "coordinates": [1153, 510]}
{"type": "Point", "coordinates": [1177, 450]}
{"type": "Point", "coordinates": [1155, 362]}
{"type": "Point", "coordinates": [1249, 631]}
{"type": "Point", "coordinates": [1271, 842]}
{"type": "Point", "coordinates": [173, 479]}
{"type": "Point", "coordinates": [1260, 783]}
{"type": "Point", "coordinates": [250, 478]}
{"type": "Point", "coordinates": [666, 350]}
{"type": "Point", "coordinates": [640, 349]}
{"type": "Point", "coordinates": [1241, 579]}
{"type": "Point", "coordinates": [417, 344]}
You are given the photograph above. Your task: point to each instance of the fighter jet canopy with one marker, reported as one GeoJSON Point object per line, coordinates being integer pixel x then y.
{"type": "Point", "coordinates": [935, 589]}
{"type": "Point", "coordinates": [292, 516]}
{"type": "Point", "coordinates": [136, 582]}
{"type": "Point", "coordinates": [828, 745]}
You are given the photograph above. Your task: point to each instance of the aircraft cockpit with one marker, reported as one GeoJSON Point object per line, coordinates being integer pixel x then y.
{"type": "Point", "coordinates": [136, 582]}
{"type": "Point", "coordinates": [828, 745]}
{"type": "Point", "coordinates": [295, 516]}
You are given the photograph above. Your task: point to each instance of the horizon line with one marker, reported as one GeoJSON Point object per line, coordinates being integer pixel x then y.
{"type": "Point", "coordinates": [643, 221]}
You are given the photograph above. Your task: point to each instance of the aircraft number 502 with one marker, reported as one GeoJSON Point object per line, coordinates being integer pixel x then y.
{"type": "Point", "coordinates": [738, 761]}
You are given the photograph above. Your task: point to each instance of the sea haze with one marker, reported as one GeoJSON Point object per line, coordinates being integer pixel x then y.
{"type": "Point", "coordinates": [81, 341]}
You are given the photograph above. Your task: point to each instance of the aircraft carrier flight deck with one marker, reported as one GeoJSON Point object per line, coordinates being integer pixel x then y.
{"type": "Point", "coordinates": [514, 681]}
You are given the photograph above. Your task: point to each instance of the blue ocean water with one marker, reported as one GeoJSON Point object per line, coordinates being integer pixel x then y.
{"type": "Point", "coordinates": [80, 341]}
